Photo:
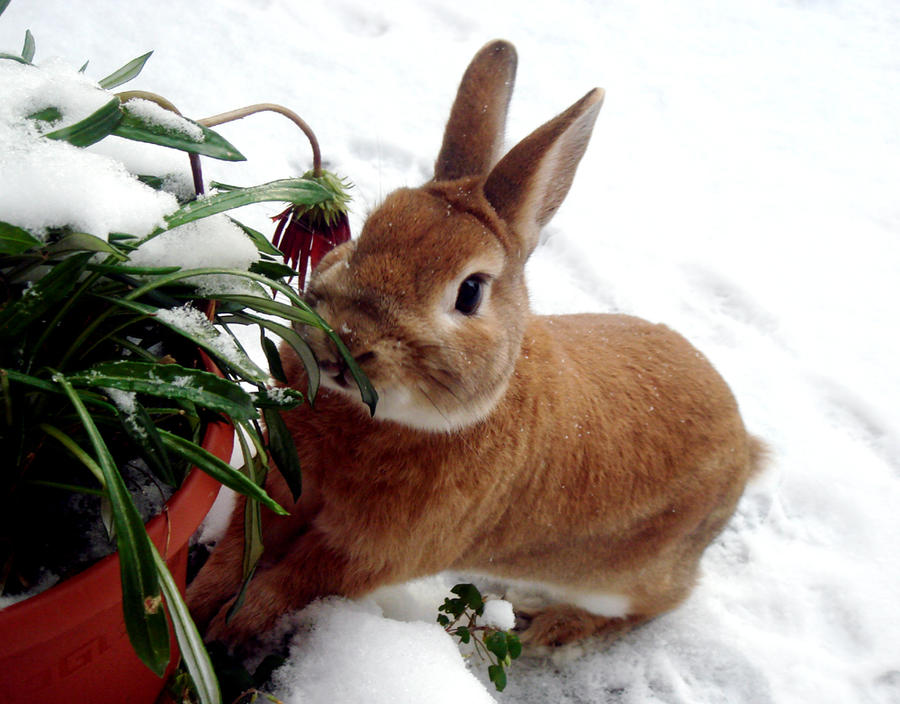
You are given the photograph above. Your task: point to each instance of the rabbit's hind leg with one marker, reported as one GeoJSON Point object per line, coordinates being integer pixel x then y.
{"type": "Point", "coordinates": [561, 624]}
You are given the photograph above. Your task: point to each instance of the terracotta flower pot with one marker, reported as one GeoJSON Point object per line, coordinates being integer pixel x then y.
{"type": "Point", "coordinates": [68, 645]}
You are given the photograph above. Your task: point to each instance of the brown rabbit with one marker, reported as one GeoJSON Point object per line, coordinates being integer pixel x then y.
{"type": "Point", "coordinates": [593, 457]}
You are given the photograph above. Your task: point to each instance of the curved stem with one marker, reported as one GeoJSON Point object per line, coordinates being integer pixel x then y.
{"type": "Point", "coordinates": [127, 95]}
{"type": "Point", "coordinates": [240, 113]}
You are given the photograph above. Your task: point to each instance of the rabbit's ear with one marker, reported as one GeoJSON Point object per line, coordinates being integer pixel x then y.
{"type": "Point", "coordinates": [473, 138]}
{"type": "Point", "coordinates": [528, 185]}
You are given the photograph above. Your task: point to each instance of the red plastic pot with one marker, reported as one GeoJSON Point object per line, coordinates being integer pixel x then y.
{"type": "Point", "coordinates": [68, 645]}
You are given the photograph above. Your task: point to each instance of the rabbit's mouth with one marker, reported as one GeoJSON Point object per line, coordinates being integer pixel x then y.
{"type": "Point", "coordinates": [336, 372]}
{"type": "Point", "coordinates": [339, 372]}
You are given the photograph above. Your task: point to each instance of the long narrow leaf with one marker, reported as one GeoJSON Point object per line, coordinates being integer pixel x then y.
{"type": "Point", "coordinates": [207, 337]}
{"type": "Point", "coordinates": [281, 398]}
{"type": "Point", "coordinates": [303, 350]}
{"type": "Point", "coordinates": [28, 48]}
{"type": "Point", "coordinates": [143, 432]}
{"type": "Point", "coordinates": [366, 390]}
{"type": "Point", "coordinates": [171, 381]}
{"type": "Point", "coordinates": [284, 451]}
{"type": "Point", "coordinates": [162, 281]}
{"type": "Point", "coordinates": [44, 385]}
{"type": "Point", "coordinates": [256, 469]}
{"type": "Point", "coordinates": [193, 652]}
{"type": "Point", "coordinates": [253, 543]}
{"type": "Point", "coordinates": [292, 190]}
{"type": "Point", "coordinates": [42, 295]}
{"type": "Point", "coordinates": [15, 240]}
{"type": "Point", "coordinates": [83, 242]}
{"type": "Point", "coordinates": [259, 239]}
{"type": "Point", "coordinates": [14, 57]}
{"type": "Point", "coordinates": [75, 449]}
{"type": "Point", "coordinates": [145, 619]}
{"type": "Point", "coordinates": [221, 471]}
{"type": "Point", "coordinates": [93, 128]}
{"type": "Point", "coordinates": [294, 339]}
{"type": "Point", "coordinates": [125, 73]}
{"type": "Point", "coordinates": [267, 305]}
{"type": "Point", "coordinates": [139, 129]}
{"type": "Point", "coordinates": [273, 358]}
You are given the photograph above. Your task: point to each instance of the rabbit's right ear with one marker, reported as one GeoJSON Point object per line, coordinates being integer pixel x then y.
{"type": "Point", "coordinates": [473, 138]}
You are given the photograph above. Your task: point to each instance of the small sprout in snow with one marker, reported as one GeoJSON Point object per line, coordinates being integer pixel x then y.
{"type": "Point", "coordinates": [482, 627]}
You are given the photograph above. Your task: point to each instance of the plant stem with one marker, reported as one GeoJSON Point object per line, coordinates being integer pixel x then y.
{"type": "Point", "coordinates": [240, 113]}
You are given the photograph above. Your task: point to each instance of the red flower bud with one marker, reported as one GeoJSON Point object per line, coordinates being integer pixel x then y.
{"type": "Point", "coordinates": [306, 233]}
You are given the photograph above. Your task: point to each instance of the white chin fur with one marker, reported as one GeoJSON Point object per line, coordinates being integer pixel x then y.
{"type": "Point", "coordinates": [415, 411]}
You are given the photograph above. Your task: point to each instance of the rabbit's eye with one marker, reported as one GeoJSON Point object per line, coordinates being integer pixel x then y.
{"type": "Point", "coordinates": [469, 297]}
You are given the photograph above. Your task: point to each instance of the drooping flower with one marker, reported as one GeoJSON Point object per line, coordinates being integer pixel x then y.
{"type": "Point", "coordinates": [306, 233]}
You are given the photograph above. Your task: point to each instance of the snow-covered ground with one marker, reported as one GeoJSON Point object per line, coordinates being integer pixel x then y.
{"type": "Point", "coordinates": [741, 185]}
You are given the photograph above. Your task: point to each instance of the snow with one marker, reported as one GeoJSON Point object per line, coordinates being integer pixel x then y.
{"type": "Point", "coordinates": [348, 652]}
{"type": "Point", "coordinates": [46, 183]}
{"type": "Point", "coordinates": [195, 323]}
{"type": "Point", "coordinates": [213, 241]}
{"type": "Point", "coordinates": [157, 115]}
{"type": "Point", "coordinates": [498, 614]}
{"type": "Point", "coordinates": [741, 186]}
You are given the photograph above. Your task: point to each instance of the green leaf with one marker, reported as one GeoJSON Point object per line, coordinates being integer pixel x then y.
{"type": "Point", "coordinates": [140, 129]}
{"type": "Point", "coordinates": [207, 337]}
{"type": "Point", "coordinates": [93, 128]}
{"type": "Point", "coordinates": [14, 57]}
{"type": "Point", "coordinates": [273, 358]}
{"type": "Point", "coordinates": [292, 190]}
{"type": "Point", "coordinates": [281, 398]}
{"type": "Point", "coordinates": [143, 433]}
{"type": "Point", "coordinates": [270, 307]}
{"type": "Point", "coordinates": [260, 240]}
{"type": "Point", "coordinates": [50, 114]}
{"type": "Point", "coordinates": [514, 645]}
{"type": "Point", "coordinates": [43, 295]}
{"type": "Point", "coordinates": [283, 451]}
{"type": "Point", "coordinates": [125, 73]}
{"type": "Point", "coordinates": [366, 390]}
{"type": "Point", "coordinates": [463, 634]}
{"type": "Point", "coordinates": [193, 652]}
{"type": "Point", "coordinates": [498, 676]}
{"type": "Point", "coordinates": [470, 595]}
{"type": "Point", "coordinates": [171, 381]}
{"type": "Point", "coordinates": [15, 240]}
{"type": "Point", "coordinates": [145, 619]}
{"type": "Point", "coordinates": [83, 242]}
{"type": "Point", "coordinates": [219, 470]}
{"type": "Point", "coordinates": [132, 271]}
{"type": "Point", "coordinates": [272, 270]}
{"type": "Point", "coordinates": [28, 48]}
{"type": "Point", "coordinates": [443, 620]}
{"type": "Point", "coordinates": [256, 469]}
{"type": "Point", "coordinates": [84, 67]}
{"type": "Point", "coordinates": [3, 5]}
{"type": "Point", "coordinates": [496, 643]}
{"type": "Point", "coordinates": [155, 182]}
{"type": "Point", "coordinates": [298, 344]}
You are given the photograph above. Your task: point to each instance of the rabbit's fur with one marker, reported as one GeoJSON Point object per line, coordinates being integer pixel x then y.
{"type": "Point", "coordinates": [592, 456]}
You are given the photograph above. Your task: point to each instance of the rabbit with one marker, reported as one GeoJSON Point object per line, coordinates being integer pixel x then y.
{"type": "Point", "coordinates": [592, 457]}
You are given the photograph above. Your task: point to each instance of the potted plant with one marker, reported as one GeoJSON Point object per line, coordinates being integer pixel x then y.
{"type": "Point", "coordinates": [120, 370]}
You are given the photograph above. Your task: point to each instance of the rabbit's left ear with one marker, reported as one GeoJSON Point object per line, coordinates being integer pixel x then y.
{"type": "Point", "coordinates": [473, 138]}
{"type": "Point", "coordinates": [528, 185]}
